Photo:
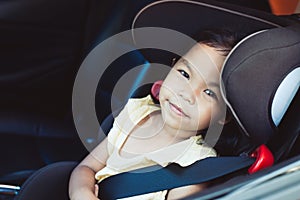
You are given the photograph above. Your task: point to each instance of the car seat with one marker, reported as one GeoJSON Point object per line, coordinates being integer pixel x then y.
{"type": "Point", "coordinates": [248, 74]}
{"type": "Point", "coordinates": [245, 21]}
{"type": "Point", "coordinates": [217, 14]}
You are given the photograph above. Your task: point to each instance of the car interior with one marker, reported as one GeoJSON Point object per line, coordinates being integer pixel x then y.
{"type": "Point", "coordinates": [45, 43]}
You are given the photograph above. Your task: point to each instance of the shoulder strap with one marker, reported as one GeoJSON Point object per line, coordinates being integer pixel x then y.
{"type": "Point", "coordinates": [153, 179]}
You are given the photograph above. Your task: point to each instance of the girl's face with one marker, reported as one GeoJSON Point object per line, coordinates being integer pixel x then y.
{"type": "Point", "coordinates": [190, 95]}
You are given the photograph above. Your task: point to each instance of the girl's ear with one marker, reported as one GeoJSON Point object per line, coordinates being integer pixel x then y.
{"type": "Point", "coordinates": [156, 88]}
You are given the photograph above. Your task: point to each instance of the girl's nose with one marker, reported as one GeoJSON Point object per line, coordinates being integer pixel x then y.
{"type": "Point", "coordinates": [188, 94]}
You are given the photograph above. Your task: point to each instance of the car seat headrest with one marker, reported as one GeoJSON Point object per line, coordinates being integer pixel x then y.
{"type": "Point", "coordinates": [191, 17]}
{"type": "Point", "coordinates": [260, 78]}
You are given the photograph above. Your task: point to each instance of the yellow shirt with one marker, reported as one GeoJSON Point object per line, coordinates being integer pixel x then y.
{"type": "Point", "coordinates": [183, 153]}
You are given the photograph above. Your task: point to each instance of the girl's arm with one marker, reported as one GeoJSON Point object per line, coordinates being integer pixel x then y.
{"type": "Point", "coordinates": [82, 181]}
{"type": "Point", "coordinates": [185, 191]}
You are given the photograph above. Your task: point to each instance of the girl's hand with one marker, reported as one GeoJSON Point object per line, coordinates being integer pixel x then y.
{"type": "Point", "coordinates": [85, 194]}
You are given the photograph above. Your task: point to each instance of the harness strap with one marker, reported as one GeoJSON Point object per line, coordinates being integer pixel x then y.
{"type": "Point", "coordinates": [156, 178]}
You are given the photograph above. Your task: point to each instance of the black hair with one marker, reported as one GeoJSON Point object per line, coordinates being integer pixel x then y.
{"type": "Point", "coordinates": [223, 40]}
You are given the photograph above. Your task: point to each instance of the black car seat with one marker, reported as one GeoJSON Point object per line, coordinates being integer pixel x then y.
{"type": "Point", "coordinates": [243, 20]}
{"type": "Point", "coordinates": [261, 88]}
{"type": "Point", "coordinates": [176, 15]}
{"type": "Point", "coordinates": [272, 115]}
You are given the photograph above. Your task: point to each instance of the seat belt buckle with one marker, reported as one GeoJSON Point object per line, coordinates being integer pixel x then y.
{"type": "Point", "coordinates": [264, 159]}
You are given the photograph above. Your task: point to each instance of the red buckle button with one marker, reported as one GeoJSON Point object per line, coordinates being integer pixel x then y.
{"type": "Point", "coordinates": [264, 159]}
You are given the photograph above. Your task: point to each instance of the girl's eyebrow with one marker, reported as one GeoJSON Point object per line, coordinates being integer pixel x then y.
{"type": "Point", "coordinates": [187, 64]}
{"type": "Point", "coordinates": [214, 84]}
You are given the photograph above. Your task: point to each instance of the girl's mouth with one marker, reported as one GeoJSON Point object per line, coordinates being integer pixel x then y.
{"type": "Point", "coordinates": [177, 110]}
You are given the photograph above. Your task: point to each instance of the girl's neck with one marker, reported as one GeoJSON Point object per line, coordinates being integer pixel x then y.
{"type": "Point", "coordinates": [169, 133]}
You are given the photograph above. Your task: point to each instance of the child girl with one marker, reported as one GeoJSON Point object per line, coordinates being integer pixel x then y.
{"type": "Point", "coordinates": [146, 134]}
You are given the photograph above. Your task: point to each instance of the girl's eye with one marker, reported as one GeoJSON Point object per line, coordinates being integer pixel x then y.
{"type": "Point", "coordinates": [183, 73]}
{"type": "Point", "coordinates": [210, 93]}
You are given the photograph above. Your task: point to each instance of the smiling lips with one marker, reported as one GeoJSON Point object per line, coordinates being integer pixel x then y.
{"type": "Point", "coordinates": [177, 110]}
